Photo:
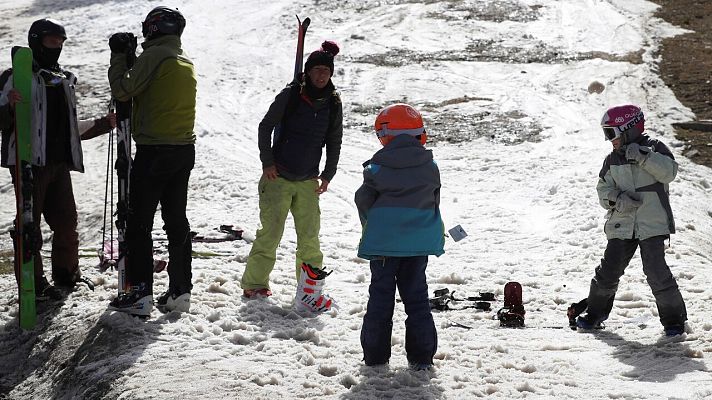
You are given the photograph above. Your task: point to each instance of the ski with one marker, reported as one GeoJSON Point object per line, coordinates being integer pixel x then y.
{"type": "Point", "coordinates": [301, 34]}
{"type": "Point", "coordinates": [22, 82]}
{"type": "Point", "coordinates": [123, 173]}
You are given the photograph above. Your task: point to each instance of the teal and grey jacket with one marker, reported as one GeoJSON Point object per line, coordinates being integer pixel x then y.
{"type": "Point", "coordinates": [647, 181]}
{"type": "Point", "coordinates": [399, 201]}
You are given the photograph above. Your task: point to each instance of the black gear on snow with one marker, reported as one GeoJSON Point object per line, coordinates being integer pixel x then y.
{"type": "Point", "coordinates": [163, 21]}
{"type": "Point", "coordinates": [512, 314]}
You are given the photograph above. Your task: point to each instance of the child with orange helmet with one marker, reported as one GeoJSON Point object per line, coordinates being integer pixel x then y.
{"type": "Point", "coordinates": [398, 204]}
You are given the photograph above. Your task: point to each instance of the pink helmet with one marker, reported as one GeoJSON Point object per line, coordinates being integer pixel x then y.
{"type": "Point", "coordinates": [626, 122]}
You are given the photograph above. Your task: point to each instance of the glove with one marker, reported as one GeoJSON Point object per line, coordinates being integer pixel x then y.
{"type": "Point", "coordinates": [120, 42]}
{"type": "Point", "coordinates": [637, 153]}
{"type": "Point", "coordinates": [627, 203]}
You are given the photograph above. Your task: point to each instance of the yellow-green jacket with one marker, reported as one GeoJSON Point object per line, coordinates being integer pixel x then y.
{"type": "Point", "coordinates": [163, 87]}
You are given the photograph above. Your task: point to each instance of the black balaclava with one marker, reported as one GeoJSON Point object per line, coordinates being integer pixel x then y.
{"type": "Point", "coordinates": [44, 57]}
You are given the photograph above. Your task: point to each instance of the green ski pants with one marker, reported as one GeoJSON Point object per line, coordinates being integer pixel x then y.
{"type": "Point", "coordinates": [277, 198]}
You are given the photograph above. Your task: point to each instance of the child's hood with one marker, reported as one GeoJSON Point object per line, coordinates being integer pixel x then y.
{"type": "Point", "coordinates": [403, 152]}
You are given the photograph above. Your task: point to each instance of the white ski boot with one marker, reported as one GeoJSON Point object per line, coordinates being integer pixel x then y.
{"type": "Point", "coordinates": [309, 298]}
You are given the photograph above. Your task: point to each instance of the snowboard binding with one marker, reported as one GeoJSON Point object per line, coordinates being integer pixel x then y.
{"type": "Point", "coordinates": [512, 314]}
{"type": "Point", "coordinates": [443, 297]}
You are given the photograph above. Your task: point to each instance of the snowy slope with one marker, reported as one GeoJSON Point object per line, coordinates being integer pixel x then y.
{"type": "Point", "coordinates": [505, 82]}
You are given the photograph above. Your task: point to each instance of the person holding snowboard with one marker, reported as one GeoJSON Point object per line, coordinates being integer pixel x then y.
{"type": "Point", "coordinates": [633, 187]}
{"type": "Point", "coordinates": [304, 117]}
{"type": "Point", "coordinates": [398, 204]}
{"type": "Point", "coordinates": [162, 84]}
{"type": "Point", "coordinates": [56, 150]}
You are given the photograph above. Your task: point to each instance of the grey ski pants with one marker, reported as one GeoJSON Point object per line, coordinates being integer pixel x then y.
{"type": "Point", "coordinates": [671, 306]}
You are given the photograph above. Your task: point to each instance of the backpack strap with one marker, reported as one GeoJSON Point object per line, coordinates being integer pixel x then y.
{"type": "Point", "coordinates": [295, 89]}
{"type": "Point", "coordinates": [5, 76]}
{"type": "Point", "coordinates": [3, 81]}
{"type": "Point", "coordinates": [333, 101]}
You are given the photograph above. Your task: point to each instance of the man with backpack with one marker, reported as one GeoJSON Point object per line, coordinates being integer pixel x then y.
{"type": "Point", "coordinates": [305, 117]}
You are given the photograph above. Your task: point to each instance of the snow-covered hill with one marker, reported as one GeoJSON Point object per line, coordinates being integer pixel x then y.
{"type": "Point", "coordinates": [503, 88]}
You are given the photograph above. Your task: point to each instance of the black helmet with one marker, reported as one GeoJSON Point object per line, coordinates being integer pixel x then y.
{"type": "Point", "coordinates": [163, 21]}
{"type": "Point", "coordinates": [41, 28]}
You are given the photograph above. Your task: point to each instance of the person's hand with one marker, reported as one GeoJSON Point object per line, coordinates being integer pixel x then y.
{"type": "Point", "coordinates": [120, 42]}
{"type": "Point", "coordinates": [111, 117]}
{"type": "Point", "coordinates": [13, 97]}
{"type": "Point", "coordinates": [627, 203]}
{"type": "Point", "coordinates": [270, 172]}
{"type": "Point", "coordinates": [634, 152]}
{"type": "Point", "coordinates": [323, 186]}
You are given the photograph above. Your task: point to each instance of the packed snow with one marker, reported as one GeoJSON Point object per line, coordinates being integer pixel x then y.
{"type": "Point", "coordinates": [503, 88]}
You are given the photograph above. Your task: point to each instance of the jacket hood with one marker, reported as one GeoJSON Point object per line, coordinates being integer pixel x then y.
{"type": "Point", "coordinates": [403, 151]}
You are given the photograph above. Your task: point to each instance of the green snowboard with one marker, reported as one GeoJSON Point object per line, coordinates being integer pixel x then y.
{"type": "Point", "coordinates": [22, 82]}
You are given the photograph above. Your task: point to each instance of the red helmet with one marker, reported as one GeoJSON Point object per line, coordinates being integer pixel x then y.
{"type": "Point", "coordinates": [625, 122]}
{"type": "Point", "coordinates": [399, 119]}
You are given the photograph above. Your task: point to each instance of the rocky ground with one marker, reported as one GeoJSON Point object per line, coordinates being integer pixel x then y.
{"type": "Point", "coordinates": [686, 67]}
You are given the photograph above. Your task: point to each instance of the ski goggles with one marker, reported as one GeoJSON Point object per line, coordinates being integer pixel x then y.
{"type": "Point", "coordinates": [395, 132]}
{"type": "Point", "coordinates": [51, 78]}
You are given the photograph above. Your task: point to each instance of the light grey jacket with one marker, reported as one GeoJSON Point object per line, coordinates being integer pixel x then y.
{"type": "Point", "coordinates": [38, 124]}
{"type": "Point", "coordinates": [647, 181]}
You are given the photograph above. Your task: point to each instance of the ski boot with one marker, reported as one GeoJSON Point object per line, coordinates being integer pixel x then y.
{"type": "Point", "coordinates": [256, 293]}
{"type": "Point", "coordinates": [574, 310]}
{"type": "Point", "coordinates": [137, 301]}
{"type": "Point", "coordinates": [590, 322]}
{"type": "Point", "coordinates": [173, 300]}
{"type": "Point", "coordinates": [674, 330]}
{"type": "Point", "coordinates": [45, 291]}
{"type": "Point", "coordinates": [309, 296]}
{"type": "Point", "coordinates": [512, 314]}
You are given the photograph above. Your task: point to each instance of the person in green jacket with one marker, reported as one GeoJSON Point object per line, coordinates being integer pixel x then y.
{"type": "Point", "coordinates": [633, 187]}
{"type": "Point", "coordinates": [162, 85]}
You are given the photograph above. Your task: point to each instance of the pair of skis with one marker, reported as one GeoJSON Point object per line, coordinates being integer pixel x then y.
{"type": "Point", "coordinates": [123, 173]}
{"type": "Point", "coordinates": [302, 27]}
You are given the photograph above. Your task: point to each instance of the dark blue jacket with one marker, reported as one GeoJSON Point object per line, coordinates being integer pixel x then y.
{"type": "Point", "coordinates": [300, 134]}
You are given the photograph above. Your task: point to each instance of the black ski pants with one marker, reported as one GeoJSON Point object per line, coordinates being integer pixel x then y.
{"type": "Point", "coordinates": [421, 339]}
{"type": "Point", "coordinates": [160, 174]}
{"type": "Point", "coordinates": [671, 307]}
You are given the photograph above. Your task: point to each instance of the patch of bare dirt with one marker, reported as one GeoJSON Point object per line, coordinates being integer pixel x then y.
{"type": "Point", "coordinates": [686, 67]}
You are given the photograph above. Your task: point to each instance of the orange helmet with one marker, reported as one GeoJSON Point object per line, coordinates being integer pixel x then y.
{"type": "Point", "coordinates": [399, 119]}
